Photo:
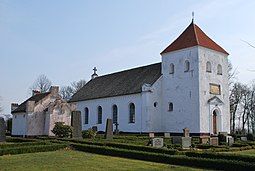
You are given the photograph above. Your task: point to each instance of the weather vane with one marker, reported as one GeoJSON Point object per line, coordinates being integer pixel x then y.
{"type": "Point", "coordinates": [193, 14]}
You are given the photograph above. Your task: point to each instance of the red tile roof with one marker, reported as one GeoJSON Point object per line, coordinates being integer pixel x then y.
{"type": "Point", "coordinates": [193, 36]}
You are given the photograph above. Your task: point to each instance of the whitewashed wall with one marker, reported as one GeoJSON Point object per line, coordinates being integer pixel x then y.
{"type": "Point", "coordinates": [147, 117]}
{"type": "Point", "coordinates": [19, 124]}
{"type": "Point", "coordinates": [182, 89]}
{"type": "Point", "coordinates": [223, 117]}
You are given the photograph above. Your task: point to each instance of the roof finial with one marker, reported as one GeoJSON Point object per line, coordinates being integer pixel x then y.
{"type": "Point", "coordinates": [193, 14]}
{"type": "Point", "coordinates": [94, 75]}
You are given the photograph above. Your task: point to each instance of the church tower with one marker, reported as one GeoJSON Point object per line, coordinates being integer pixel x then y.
{"type": "Point", "coordinates": [195, 84]}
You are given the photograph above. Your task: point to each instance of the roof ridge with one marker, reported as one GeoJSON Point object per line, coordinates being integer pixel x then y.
{"type": "Point", "coordinates": [128, 70]}
{"type": "Point", "coordinates": [195, 31]}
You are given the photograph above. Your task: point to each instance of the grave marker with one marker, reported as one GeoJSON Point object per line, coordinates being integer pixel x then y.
{"type": "Point", "coordinates": [109, 129]}
{"type": "Point", "coordinates": [76, 124]}
{"type": "Point", "coordinates": [167, 135]}
{"type": "Point", "coordinates": [157, 142]}
{"type": "Point", "coordinates": [151, 135]}
{"type": "Point", "coordinates": [2, 130]}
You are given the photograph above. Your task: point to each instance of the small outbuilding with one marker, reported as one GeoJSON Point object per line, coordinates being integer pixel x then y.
{"type": "Point", "coordinates": [37, 115]}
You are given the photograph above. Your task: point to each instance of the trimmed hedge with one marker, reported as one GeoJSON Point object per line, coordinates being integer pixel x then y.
{"type": "Point", "coordinates": [32, 149]}
{"type": "Point", "coordinates": [130, 147]}
{"type": "Point", "coordinates": [15, 145]}
{"type": "Point", "coordinates": [19, 139]}
{"type": "Point", "coordinates": [238, 157]}
{"type": "Point", "coordinates": [169, 159]}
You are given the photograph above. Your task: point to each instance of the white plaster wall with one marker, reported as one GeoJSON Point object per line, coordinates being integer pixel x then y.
{"type": "Point", "coordinates": [151, 95]}
{"type": "Point", "coordinates": [122, 103]}
{"type": "Point", "coordinates": [147, 117]}
{"type": "Point", "coordinates": [182, 89]}
{"type": "Point", "coordinates": [19, 124]}
{"type": "Point", "coordinates": [223, 119]}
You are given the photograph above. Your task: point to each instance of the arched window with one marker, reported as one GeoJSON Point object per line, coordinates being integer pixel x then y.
{"type": "Point", "coordinates": [208, 66]}
{"type": "Point", "coordinates": [170, 106]}
{"type": "Point", "coordinates": [186, 66]}
{"type": "Point", "coordinates": [99, 115]}
{"type": "Point", "coordinates": [131, 113]}
{"type": "Point", "coordinates": [86, 116]}
{"type": "Point", "coordinates": [219, 69]}
{"type": "Point", "coordinates": [114, 114]}
{"type": "Point", "coordinates": [171, 69]}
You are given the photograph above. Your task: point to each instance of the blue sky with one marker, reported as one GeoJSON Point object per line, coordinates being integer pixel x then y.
{"type": "Point", "coordinates": [65, 39]}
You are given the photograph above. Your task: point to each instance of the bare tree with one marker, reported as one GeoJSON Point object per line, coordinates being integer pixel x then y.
{"type": "Point", "coordinates": [232, 73]}
{"type": "Point", "coordinates": [42, 84]}
{"type": "Point", "coordinates": [252, 108]}
{"type": "Point", "coordinates": [1, 109]}
{"type": "Point", "coordinates": [235, 97]}
{"type": "Point", "coordinates": [68, 91]}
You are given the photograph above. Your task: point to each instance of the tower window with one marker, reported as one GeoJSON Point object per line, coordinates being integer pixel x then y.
{"type": "Point", "coordinates": [219, 69]}
{"type": "Point", "coordinates": [170, 107]}
{"type": "Point", "coordinates": [186, 66]}
{"type": "Point", "coordinates": [86, 116]}
{"type": "Point", "coordinates": [208, 67]}
{"type": "Point", "coordinates": [99, 115]}
{"type": "Point", "coordinates": [131, 113]}
{"type": "Point", "coordinates": [171, 69]}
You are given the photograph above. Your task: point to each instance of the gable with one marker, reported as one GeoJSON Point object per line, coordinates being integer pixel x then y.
{"type": "Point", "coordinates": [118, 84]}
{"type": "Point", "coordinates": [36, 98]}
{"type": "Point", "coordinates": [215, 101]}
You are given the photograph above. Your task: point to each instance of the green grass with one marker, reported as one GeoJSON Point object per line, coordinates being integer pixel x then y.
{"type": "Point", "coordinates": [75, 160]}
{"type": "Point", "coordinates": [244, 152]}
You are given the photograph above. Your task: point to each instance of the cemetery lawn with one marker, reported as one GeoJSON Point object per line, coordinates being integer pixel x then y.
{"type": "Point", "coordinates": [75, 160]}
{"type": "Point", "coordinates": [244, 152]}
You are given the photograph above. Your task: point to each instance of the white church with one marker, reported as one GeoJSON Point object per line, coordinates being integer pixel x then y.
{"type": "Point", "coordinates": [188, 89]}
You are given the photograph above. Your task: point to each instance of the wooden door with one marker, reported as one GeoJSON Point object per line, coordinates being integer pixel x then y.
{"type": "Point", "coordinates": [214, 122]}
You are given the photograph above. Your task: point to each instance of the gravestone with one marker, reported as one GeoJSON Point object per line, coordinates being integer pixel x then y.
{"type": "Point", "coordinates": [109, 130]}
{"type": "Point", "coordinates": [76, 124]}
{"type": "Point", "coordinates": [214, 141]}
{"type": "Point", "coordinates": [227, 138]}
{"type": "Point", "coordinates": [2, 130]}
{"type": "Point", "coordinates": [243, 138]}
{"type": "Point", "coordinates": [157, 142]}
{"type": "Point", "coordinates": [186, 132]}
{"type": "Point", "coordinates": [186, 142]}
{"type": "Point", "coordinates": [177, 140]}
{"type": "Point", "coordinates": [151, 135]}
{"type": "Point", "coordinates": [167, 135]}
{"type": "Point", "coordinates": [230, 141]}
{"type": "Point", "coordinates": [204, 140]}
{"type": "Point", "coordinates": [94, 128]}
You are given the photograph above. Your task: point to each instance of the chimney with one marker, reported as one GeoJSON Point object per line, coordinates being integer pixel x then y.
{"type": "Point", "coordinates": [14, 106]}
{"type": "Point", "coordinates": [54, 90]}
{"type": "Point", "coordinates": [30, 105]}
{"type": "Point", "coordinates": [35, 92]}
{"type": "Point", "coordinates": [94, 75]}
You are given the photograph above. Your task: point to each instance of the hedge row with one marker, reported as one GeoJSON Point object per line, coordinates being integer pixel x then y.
{"type": "Point", "coordinates": [32, 149]}
{"type": "Point", "coordinates": [238, 157]}
{"type": "Point", "coordinates": [19, 139]}
{"type": "Point", "coordinates": [169, 159]}
{"type": "Point", "coordinates": [15, 145]}
{"type": "Point", "coordinates": [130, 147]}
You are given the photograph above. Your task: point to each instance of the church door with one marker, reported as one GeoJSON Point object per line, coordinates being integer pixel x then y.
{"type": "Point", "coordinates": [214, 122]}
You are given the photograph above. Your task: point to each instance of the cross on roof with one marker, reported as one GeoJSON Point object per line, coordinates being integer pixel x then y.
{"type": "Point", "coordinates": [95, 70]}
